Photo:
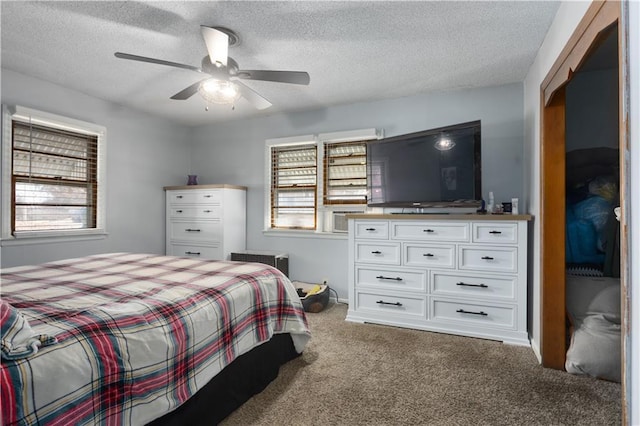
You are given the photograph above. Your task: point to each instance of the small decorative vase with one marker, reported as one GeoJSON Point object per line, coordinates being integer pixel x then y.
{"type": "Point", "coordinates": [192, 179]}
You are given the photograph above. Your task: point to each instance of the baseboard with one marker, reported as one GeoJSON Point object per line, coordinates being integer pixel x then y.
{"type": "Point", "coordinates": [536, 350]}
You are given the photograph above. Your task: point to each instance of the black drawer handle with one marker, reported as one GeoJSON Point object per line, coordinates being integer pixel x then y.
{"type": "Point", "coordinates": [428, 255]}
{"type": "Point", "coordinates": [370, 229]}
{"type": "Point", "coordinates": [178, 211]}
{"type": "Point", "coordinates": [472, 285]}
{"type": "Point", "coordinates": [178, 196]}
{"type": "Point", "coordinates": [382, 302]}
{"type": "Point", "coordinates": [192, 253]}
{"type": "Point", "coordinates": [376, 252]}
{"type": "Point", "coordinates": [462, 311]}
{"type": "Point", "coordinates": [192, 230]}
{"type": "Point", "coordinates": [382, 277]}
{"type": "Point", "coordinates": [495, 232]}
{"type": "Point", "coordinates": [207, 211]}
{"type": "Point", "coordinates": [428, 230]}
{"type": "Point", "coordinates": [486, 258]}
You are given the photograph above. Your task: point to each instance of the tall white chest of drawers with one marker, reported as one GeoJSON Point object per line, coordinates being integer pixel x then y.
{"type": "Point", "coordinates": [207, 221]}
{"type": "Point", "coordinates": [458, 274]}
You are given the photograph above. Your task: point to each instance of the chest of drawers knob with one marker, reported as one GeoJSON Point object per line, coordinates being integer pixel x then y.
{"type": "Point", "coordinates": [382, 302]}
{"type": "Point", "coordinates": [487, 258]}
{"type": "Point", "coordinates": [382, 277]}
{"type": "Point", "coordinates": [472, 285]}
{"type": "Point", "coordinates": [428, 230]}
{"type": "Point", "coordinates": [495, 232]}
{"type": "Point", "coordinates": [428, 255]}
{"type": "Point", "coordinates": [481, 313]}
{"type": "Point", "coordinates": [376, 252]}
{"type": "Point", "coordinates": [370, 229]}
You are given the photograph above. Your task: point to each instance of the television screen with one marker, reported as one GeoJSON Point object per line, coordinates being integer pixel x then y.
{"type": "Point", "coordinates": [426, 168]}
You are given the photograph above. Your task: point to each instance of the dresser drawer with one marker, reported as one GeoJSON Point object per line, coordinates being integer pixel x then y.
{"type": "Point", "coordinates": [205, 252]}
{"type": "Point", "coordinates": [489, 258]}
{"type": "Point", "coordinates": [472, 286]}
{"type": "Point", "coordinates": [203, 212]}
{"type": "Point", "coordinates": [195, 231]}
{"type": "Point", "coordinates": [430, 231]}
{"type": "Point", "coordinates": [372, 230]}
{"type": "Point", "coordinates": [473, 313]}
{"type": "Point", "coordinates": [398, 280]}
{"type": "Point", "coordinates": [211, 196]}
{"type": "Point", "coordinates": [378, 252]}
{"type": "Point", "coordinates": [415, 306]}
{"type": "Point", "coordinates": [429, 256]}
{"type": "Point", "coordinates": [495, 233]}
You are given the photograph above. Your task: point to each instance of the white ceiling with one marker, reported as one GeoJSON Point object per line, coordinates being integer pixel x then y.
{"type": "Point", "coordinates": [353, 51]}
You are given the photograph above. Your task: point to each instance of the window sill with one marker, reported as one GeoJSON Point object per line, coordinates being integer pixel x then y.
{"type": "Point", "coordinates": [48, 239]}
{"type": "Point", "coordinates": [297, 233]}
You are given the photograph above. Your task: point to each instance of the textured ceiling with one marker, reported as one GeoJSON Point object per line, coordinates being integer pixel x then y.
{"type": "Point", "coordinates": [353, 51]}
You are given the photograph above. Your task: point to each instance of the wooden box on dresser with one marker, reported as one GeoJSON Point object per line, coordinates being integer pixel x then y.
{"type": "Point", "coordinates": [207, 221]}
{"type": "Point", "coordinates": [459, 274]}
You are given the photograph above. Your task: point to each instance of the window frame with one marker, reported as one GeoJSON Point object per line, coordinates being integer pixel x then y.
{"type": "Point", "coordinates": [57, 122]}
{"type": "Point", "coordinates": [323, 211]}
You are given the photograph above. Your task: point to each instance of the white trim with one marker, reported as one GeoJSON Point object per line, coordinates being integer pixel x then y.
{"type": "Point", "coordinates": [28, 115]}
{"type": "Point", "coordinates": [351, 135]}
{"type": "Point", "coordinates": [37, 239]}
{"type": "Point", "coordinates": [303, 233]}
{"type": "Point", "coordinates": [292, 140]}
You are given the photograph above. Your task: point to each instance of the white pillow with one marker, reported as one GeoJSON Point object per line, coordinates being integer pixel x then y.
{"type": "Point", "coordinates": [595, 349]}
{"type": "Point", "coordinates": [593, 296]}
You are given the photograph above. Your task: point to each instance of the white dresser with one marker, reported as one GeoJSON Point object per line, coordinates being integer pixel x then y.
{"type": "Point", "coordinates": [458, 274]}
{"type": "Point", "coordinates": [207, 221]}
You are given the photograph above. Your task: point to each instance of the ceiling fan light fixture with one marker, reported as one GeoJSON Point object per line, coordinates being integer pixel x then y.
{"type": "Point", "coordinates": [219, 91]}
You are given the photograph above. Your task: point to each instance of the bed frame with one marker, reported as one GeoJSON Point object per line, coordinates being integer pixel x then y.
{"type": "Point", "coordinates": [248, 375]}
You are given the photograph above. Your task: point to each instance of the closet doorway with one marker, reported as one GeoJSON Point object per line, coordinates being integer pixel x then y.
{"type": "Point", "coordinates": [601, 20]}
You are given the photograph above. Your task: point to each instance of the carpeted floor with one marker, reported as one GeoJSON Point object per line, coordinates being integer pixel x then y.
{"type": "Point", "coordinates": [363, 374]}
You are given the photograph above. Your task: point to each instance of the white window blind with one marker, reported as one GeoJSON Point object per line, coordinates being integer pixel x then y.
{"type": "Point", "coordinates": [345, 173]}
{"type": "Point", "coordinates": [54, 178]}
{"type": "Point", "coordinates": [293, 186]}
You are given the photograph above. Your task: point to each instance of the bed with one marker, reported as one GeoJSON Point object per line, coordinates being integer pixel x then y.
{"type": "Point", "coordinates": [135, 339]}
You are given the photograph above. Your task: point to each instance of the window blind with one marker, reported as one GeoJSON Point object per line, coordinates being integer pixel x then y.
{"type": "Point", "coordinates": [54, 177]}
{"type": "Point", "coordinates": [345, 173]}
{"type": "Point", "coordinates": [293, 186]}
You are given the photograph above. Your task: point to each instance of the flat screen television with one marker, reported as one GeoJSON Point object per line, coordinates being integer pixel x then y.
{"type": "Point", "coordinates": [437, 167]}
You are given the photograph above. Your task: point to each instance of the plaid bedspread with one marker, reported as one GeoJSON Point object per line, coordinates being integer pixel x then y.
{"type": "Point", "coordinates": [137, 334]}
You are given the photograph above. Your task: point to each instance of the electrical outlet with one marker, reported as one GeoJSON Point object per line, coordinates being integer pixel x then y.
{"type": "Point", "coordinates": [325, 281]}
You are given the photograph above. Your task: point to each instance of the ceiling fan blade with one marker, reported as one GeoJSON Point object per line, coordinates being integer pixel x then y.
{"type": "Point", "coordinates": [155, 61]}
{"type": "Point", "coordinates": [293, 77]}
{"type": "Point", "coordinates": [253, 97]}
{"type": "Point", "coordinates": [188, 92]}
{"type": "Point", "coordinates": [217, 45]}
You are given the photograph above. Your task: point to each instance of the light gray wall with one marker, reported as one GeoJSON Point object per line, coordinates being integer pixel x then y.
{"type": "Point", "coordinates": [592, 110]}
{"type": "Point", "coordinates": [143, 155]}
{"type": "Point", "coordinates": [233, 153]}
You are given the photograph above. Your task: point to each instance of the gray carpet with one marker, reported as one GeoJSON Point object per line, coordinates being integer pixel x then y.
{"type": "Point", "coordinates": [363, 374]}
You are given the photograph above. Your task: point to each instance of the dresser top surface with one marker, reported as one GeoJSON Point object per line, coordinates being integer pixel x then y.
{"type": "Point", "coordinates": [440, 216]}
{"type": "Point", "coordinates": [209, 186]}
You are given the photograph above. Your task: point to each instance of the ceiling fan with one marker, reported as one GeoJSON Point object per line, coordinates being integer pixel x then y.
{"type": "Point", "coordinates": [222, 83]}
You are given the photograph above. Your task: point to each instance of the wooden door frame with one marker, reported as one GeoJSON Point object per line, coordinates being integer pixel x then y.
{"type": "Point", "coordinates": [600, 16]}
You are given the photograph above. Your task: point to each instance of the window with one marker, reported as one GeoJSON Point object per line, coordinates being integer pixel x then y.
{"type": "Point", "coordinates": [345, 173]}
{"type": "Point", "coordinates": [53, 175]}
{"type": "Point", "coordinates": [293, 186]}
{"type": "Point", "coordinates": [307, 176]}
